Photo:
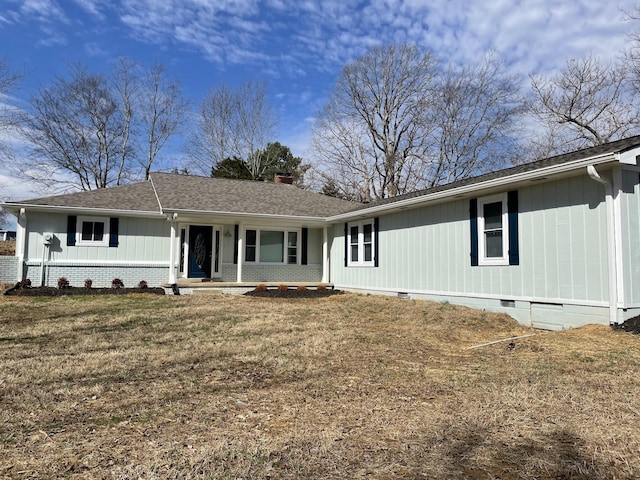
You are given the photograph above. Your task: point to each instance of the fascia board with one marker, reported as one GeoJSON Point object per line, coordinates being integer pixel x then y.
{"type": "Point", "coordinates": [494, 183]}
{"type": "Point", "coordinates": [630, 157]}
{"type": "Point", "coordinates": [245, 217]}
{"type": "Point", "coordinates": [16, 207]}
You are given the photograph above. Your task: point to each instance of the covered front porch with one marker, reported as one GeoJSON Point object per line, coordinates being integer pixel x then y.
{"type": "Point", "coordinates": [214, 253]}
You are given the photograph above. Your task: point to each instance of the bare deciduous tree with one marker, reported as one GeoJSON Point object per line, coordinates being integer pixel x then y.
{"type": "Point", "coordinates": [346, 164]}
{"type": "Point", "coordinates": [474, 120]}
{"type": "Point", "coordinates": [9, 115]}
{"type": "Point", "coordinates": [372, 128]}
{"type": "Point", "coordinates": [86, 130]}
{"type": "Point", "coordinates": [396, 122]}
{"type": "Point", "coordinates": [592, 103]}
{"type": "Point", "coordinates": [162, 108]}
{"type": "Point", "coordinates": [233, 123]}
{"type": "Point", "coordinates": [77, 127]}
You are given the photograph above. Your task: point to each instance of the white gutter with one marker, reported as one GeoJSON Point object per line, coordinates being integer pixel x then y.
{"type": "Point", "coordinates": [245, 215]}
{"type": "Point", "coordinates": [83, 210]}
{"type": "Point", "coordinates": [611, 242]}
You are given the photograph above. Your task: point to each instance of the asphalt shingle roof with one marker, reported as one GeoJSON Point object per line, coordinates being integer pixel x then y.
{"type": "Point", "coordinates": [181, 192]}
{"type": "Point", "coordinates": [203, 194]}
{"type": "Point", "coordinates": [171, 192]}
{"type": "Point", "coordinates": [618, 146]}
{"type": "Point", "coordinates": [138, 197]}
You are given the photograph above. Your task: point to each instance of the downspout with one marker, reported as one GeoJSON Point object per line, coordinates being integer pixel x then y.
{"type": "Point", "coordinates": [611, 243]}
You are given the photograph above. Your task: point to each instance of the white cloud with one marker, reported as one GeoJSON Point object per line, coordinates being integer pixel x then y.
{"type": "Point", "coordinates": [91, 6]}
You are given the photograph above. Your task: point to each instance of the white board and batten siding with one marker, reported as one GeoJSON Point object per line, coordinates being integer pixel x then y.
{"type": "Point", "coordinates": [141, 254]}
{"type": "Point", "coordinates": [563, 266]}
{"type": "Point", "coordinates": [630, 241]}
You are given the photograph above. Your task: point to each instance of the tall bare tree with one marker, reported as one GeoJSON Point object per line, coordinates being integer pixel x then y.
{"type": "Point", "coordinates": [474, 117]}
{"type": "Point", "coordinates": [162, 108]}
{"type": "Point", "coordinates": [345, 160]}
{"type": "Point", "coordinates": [233, 124]}
{"type": "Point", "coordinates": [591, 102]}
{"type": "Point", "coordinates": [76, 126]}
{"type": "Point", "coordinates": [9, 115]}
{"type": "Point", "coordinates": [373, 126]}
{"type": "Point", "coordinates": [397, 121]}
{"type": "Point", "coordinates": [86, 130]}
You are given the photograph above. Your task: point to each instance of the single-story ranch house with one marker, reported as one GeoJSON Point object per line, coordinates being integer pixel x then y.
{"type": "Point", "coordinates": [553, 243]}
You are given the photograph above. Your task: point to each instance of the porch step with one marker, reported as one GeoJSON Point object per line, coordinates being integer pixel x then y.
{"type": "Point", "coordinates": [206, 291]}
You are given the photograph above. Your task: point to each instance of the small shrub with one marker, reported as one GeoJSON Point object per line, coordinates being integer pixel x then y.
{"type": "Point", "coordinates": [322, 288]}
{"type": "Point", "coordinates": [25, 283]}
{"type": "Point", "coordinates": [283, 288]}
{"type": "Point", "coordinates": [117, 283]}
{"type": "Point", "coordinates": [260, 288]}
{"type": "Point", "coordinates": [88, 283]}
{"type": "Point", "coordinates": [63, 283]}
{"type": "Point", "coordinates": [143, 284]}
{"type": "Point", "coordinates": [301, 288]}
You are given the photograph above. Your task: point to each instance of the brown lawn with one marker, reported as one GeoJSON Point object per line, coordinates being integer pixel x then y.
{"type": "Point", "coordinates": [344, 387]}
{"type": "Point", "coordinates": [7, 248]}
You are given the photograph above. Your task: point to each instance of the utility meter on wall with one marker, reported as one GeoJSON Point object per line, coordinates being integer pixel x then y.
{"type": "Point", "coordinates": [48, 238]}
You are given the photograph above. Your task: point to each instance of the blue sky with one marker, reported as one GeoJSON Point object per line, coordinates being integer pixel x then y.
{"type": "Point", "coordinates": [297, 46]}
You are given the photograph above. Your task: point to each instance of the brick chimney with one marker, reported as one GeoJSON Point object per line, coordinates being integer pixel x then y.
{"type": "Point", "coordinates": [283, 178]}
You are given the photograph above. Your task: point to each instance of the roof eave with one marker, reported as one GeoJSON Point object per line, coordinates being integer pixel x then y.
{"type": "Point", "coordinates": [511, 180]}
{"type": "Point", "coordinates": [14, 208]}
{"type": "Point", "coordinates": [246, 215]}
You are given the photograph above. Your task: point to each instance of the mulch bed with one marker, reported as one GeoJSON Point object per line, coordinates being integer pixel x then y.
{"type": "Point", "coordinates": [293, 293]}
{"type": "Point", "coordinates": [632, 325]}
{"type": "Point", "coordinates": [59, 292]}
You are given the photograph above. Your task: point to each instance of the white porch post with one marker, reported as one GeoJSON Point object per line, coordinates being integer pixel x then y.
{"type": "Point", "coordinates": [240, 255]}
{"type": "Point", "coordinates": [172, 251]}
{"type": "Point", "coordinates": [21, 241]}
{"type": "Point", "coordinates": [325, 255]}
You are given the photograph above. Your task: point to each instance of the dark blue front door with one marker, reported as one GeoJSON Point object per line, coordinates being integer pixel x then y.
{"type": "Point", "coordinates": [200, 248]}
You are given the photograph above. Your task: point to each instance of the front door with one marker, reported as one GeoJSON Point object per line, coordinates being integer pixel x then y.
{"type": "Point", "coordinates": [200, 251]}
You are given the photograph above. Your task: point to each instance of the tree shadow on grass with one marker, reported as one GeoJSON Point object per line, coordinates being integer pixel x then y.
{"type": "Point", "coordinates": [557, 455]}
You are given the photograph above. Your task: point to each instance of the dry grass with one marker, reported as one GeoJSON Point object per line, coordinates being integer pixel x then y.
{"type": "Point", "coordinates": [343, 387]}
{"type": "Point", "coordinates": [7, 248]}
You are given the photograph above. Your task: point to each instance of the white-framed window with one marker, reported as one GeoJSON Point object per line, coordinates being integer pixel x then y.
{"type": "Point", "coordinates": [92, 232]}
{"type": "Point", "coordinates": [361, 244]}
{"type": "Point", "coordinates": [493, 230]}
{"type": "Point", "coordinates": [271, 246]}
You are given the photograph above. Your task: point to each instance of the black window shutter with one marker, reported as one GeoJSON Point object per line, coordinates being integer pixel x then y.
{"type": "Point", "coordinates": [376, 228]}
{"type": "Point", "coordinates": [346, 244]}
{"type": "Point", "coordinates": [236, 231]}
{"type": "Point", "coordinates": [72, 221]}
{"type": "Point", "coordinates": [113, 231]}
{"type": "Point", "coordinates": [512, 208]}
{"type": "Point", "coordinates": [473, 214]}
{"type": "Point", "coordinates": [305, 241]}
